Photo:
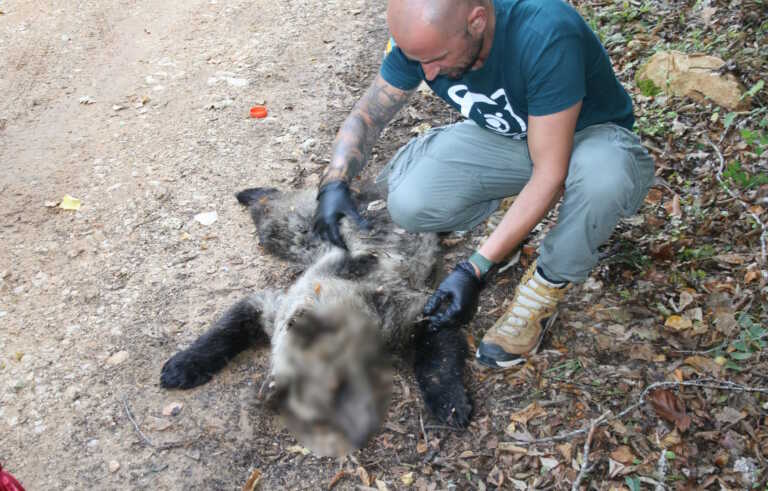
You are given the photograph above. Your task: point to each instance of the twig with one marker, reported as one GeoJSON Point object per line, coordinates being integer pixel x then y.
{"type": "Point", "coordinates": [145, 222]}
{"type": "Point", "coordinates": [661, 471]}
{"type": "Point", "coordinates": [704, 383]}
{"type": "Point", "coordinates": [423, 431]}
{"type": "Point", "coordinates": [442, 427]}
{"type": "Point", "coordinates": [755, 217]}
{"type": "Point", "coordinates": [585, 467]}
{"type": "Point", "coordinates": [136, 425]}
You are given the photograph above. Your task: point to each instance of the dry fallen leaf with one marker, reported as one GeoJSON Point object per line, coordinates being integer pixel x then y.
{"type": "Point", "coordinates": [365, 478]}
{"type": "Point", "coordinates": [69, 203]}
{"type": "Point", "coordinates": [511, 447]}
{"type": "Point", "coordinates": [672, 439]}
{"type": "Point", "coordinates": [686, 298]}
{"type": "Point", "coordinates": [734, 259]}
{"type": "Point", "coordinates": [335, 479]}
{"type": "Point", "coordinates": [730, 415]}
{"type": "Point", "coordinates": [623, 454]}
{"type": "Point", "coordinates": [673, 207]}
{"type": "Point", "coordinates": [421, 447]}
{"type": "Point", "coordinates": [531, 411]}
{"type": "Point", "coordinates": [678, 323]}
{"type": "Point", "coordinates": [704, 364]}
{"type": "Point", "coordinates": [253, 481]}
{"type": "Point", "coordinates": [670, 408]}
{"type": "Point", "coordinates": [616, 469]}
{"type": "Point", "coordinates": [566, 450]}
{"type": "Point", "coordinates": [654, 196]}
{"type": "Point", "coordinates": [751, 276]}
{"type": "Point", "coordinates": [548, 463]}
{"type": "Point", "coordinates": [407, 478]}
{"type": "Point", "coordinates": [496, 477]}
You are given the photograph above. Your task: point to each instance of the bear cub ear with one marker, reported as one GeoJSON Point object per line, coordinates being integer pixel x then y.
{"type": "Point", "coordinates": [306, 326]}
{"type": "Point", "coordinates": [250, 196]}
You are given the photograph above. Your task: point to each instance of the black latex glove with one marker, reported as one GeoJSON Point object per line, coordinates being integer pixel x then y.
{"type": "Point", "coordinates": [333, 202]}
{"type": "Point", "coordinates": [457, 295]}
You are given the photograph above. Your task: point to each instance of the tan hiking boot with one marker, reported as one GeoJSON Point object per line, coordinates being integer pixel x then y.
{"type": "Point", "coordinates": [519, 331]}
{"type": "Point", "coordinates": [494, 219]}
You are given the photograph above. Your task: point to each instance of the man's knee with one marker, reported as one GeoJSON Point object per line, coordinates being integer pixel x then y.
{"type": "Point", "coordinates": [610, 180]}
{"type": "Point", "coordinates": [408, 211]}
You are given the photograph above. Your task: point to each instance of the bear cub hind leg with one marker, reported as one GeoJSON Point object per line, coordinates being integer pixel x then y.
{"type": "Point", "coordinates": [439, 368]}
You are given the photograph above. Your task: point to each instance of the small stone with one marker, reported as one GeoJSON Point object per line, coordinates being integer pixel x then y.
{"type": "Point", "coordinates": [114, 466]}
{"type": "Point", "coordinates": [72, 393]}
{"type": "Point", "coordinates": [207, 218]}
{"type": "Point", "coordinates": [117, 358]}
{"type": "Point", "coordinates": [93, 443]}
{"type": "Point", "coordinates": [172, 409]}
{"type": "Point", "coordinates": [308, 144]}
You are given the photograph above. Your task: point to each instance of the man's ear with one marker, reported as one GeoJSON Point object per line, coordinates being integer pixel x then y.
{"type": "Point", "coordinates": [477, 20]}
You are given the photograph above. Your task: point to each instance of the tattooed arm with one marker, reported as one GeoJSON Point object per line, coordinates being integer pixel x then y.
{"type": "Point", "coordinates": [362, 128]}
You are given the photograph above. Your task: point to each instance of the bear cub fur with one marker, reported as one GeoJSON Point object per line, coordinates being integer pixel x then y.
{"type": "Point", "coordinates": [332, 331]}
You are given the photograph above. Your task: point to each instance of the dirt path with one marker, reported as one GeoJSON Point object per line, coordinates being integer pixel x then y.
{"type": "Point", "coordinates": [138, 108]}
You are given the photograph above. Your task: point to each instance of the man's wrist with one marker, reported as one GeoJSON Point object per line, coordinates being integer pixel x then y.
{"type": "Point", "coordinates": [481, 263]}
{"type": "Point", "coordinates": [333, 173]}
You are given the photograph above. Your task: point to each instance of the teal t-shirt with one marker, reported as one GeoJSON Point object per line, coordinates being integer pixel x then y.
{"type": "Point", "coordinates": [544, 59]}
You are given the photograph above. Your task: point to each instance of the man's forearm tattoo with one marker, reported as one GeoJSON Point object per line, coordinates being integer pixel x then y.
{"type": "Point", "coordinates": [362, 128]}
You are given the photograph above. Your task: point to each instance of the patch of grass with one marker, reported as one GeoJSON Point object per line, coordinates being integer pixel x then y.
{"type": "Point", "coordinates": [648, 88]}
{"type": "Point", "coordinates": [702, 252]}
{"type": "Point", "coordinates": [564, 370]}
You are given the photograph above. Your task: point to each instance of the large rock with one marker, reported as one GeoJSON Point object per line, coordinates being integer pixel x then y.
{"type": "Point", "coordinates": [695, 76]}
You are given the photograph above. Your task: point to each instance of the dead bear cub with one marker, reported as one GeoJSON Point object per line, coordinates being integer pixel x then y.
{"type": "Point", "coordinates": [332, 330]}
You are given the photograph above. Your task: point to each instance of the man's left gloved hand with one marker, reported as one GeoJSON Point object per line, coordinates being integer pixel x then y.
{"type": "Point", "coordinates": [458, 296]}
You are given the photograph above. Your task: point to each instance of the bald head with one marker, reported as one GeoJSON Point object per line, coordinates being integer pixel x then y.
{"type": "Point", "coordinates": [447, 37]}
{"type": "Point", "coordinates": [447, 17]}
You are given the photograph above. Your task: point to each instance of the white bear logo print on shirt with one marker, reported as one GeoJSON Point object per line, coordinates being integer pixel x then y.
{"type": "Point", "coordinates": [496, 110]}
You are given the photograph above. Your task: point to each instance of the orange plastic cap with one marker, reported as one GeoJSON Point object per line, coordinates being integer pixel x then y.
{"type": "Point", "coordinates": [259, 112]}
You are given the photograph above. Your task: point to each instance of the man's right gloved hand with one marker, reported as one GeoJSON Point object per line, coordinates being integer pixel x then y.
{"type": "Point", "coordinates": [333, 202]}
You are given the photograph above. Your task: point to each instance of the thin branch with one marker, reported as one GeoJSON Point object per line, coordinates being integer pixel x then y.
{"type": "Point", "coordinates": [704, 383]}
{"type": "Point", "coordinates": [423, 431]}
{"type": "Point", "coordinates": [719, 346]}
{"type": "Point", "coordinates": [661, 471]}
{"type": "Point", "coordinates": [586, 468]}
{"type": "Point", "coordinates": [136, 425]}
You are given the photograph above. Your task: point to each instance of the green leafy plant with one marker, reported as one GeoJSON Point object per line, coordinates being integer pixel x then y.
{"type": "Point", "coordinates": [752, 339]}
{"type": "Point", "coordinates": [756, 139]}
{"type": "Point", "coordinates": [735, 175]}
{"type": "Point", "coordinates": [754, 89]}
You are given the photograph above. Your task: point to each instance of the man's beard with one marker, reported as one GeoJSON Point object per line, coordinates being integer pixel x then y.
{"type": "Point", "coordinates": [472, 56]}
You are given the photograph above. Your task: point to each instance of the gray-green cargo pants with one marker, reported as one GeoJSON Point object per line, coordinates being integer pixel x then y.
{"type": "Point", "coordinates": [453, 177]}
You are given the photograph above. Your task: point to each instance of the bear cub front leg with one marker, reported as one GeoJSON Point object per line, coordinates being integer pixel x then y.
{"type": "Point", "coordinates": [241, 326]}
